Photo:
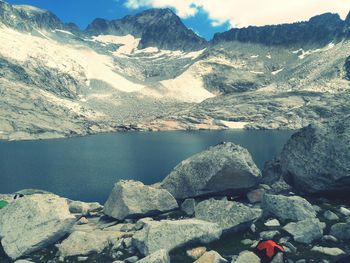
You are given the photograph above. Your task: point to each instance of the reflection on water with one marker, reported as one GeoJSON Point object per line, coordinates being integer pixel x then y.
{"type": "Point", "coordinates": [86, 168]}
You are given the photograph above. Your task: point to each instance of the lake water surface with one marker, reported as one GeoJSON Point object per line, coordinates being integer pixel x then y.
{"type": "Point", "coordinates": [86, 168]}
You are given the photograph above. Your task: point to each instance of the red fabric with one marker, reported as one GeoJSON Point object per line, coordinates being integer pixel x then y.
{"type": "Point", "coordinates": [270, 246]}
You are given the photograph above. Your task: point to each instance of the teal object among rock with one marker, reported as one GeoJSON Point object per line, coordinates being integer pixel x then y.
{"type": "Point", "coordinates": [3, 203]}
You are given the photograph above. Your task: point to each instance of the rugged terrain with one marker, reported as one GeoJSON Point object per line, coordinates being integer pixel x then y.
{"type": "Point", "coordinates": [149, 72]}
{"type": "Point", "coordinates": [213, 207]}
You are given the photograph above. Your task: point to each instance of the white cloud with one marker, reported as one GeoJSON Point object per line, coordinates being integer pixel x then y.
{"type": "Point", "coordinates": [240, 13]}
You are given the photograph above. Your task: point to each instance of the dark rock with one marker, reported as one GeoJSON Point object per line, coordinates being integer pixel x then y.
{"type": "Point", "coordinates": [341, 231]}
{"type": "Point", "coordinates": [319, 30]}
{"type": "Point", "coordinates": [272, 172]}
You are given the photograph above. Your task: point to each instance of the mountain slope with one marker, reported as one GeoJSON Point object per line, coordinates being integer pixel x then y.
{"type": "Point", "coordinates": [58, 81]}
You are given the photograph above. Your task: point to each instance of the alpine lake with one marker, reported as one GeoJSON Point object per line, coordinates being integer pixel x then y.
{"type": "Point", "coordinates": [86, 168]}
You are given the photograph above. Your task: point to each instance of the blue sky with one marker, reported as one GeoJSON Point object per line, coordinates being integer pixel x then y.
{"type": "Point", "coordinates": [205, 17]}
{"type": "Point", "coordinates": [82, 12]}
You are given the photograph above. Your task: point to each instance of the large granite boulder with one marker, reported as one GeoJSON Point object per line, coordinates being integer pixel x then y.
{"type": "Point", "coordinates": [33, 222]}
{"type": "Point", "coordinates": [130, 199]}
{"type": "Point", "coordinates": [169, 234]}
{"type": "Point", "coordinates": [287, 207]}
{"type": "Point", "coordinates": [225, 168]}
{"type": "Point", "coordinates": [306, 231]}
{"type": "Point", "coordinates": [316, 158]}
{"type": "Point", "coordinates": [230, 216]}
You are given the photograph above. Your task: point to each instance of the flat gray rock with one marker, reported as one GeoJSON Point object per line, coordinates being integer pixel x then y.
{"type": "Point", "coordinates": [131, 199]}
{"type": "Point", "coordinates": [211, 257]}
{"type": "Point", "coordinates": [306, 231]}
{"type": "Point", "coordinates": [288, 207]}
{"type": "Point", "coordinates": [33, 222]}
{"type": "Point", "coordinates": [225, 168]}
{"type": "Point", "coordinates": [81, 243]}
{"type": "Point", "coordinates": [230, 216]}
{"type": "Point", "coordinates": [247, 257]}
{"type": "Point", "coordinates": [167, 234]}
{"type": "Point", "coordinates": [160, 256]}
{"type": "Point", "coordinates": [330, 251]}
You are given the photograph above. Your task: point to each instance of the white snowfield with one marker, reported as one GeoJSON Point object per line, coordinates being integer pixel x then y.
{"type": "Point", "coordinates": [129, 43]}
{"type": "Point", "coordinates": [63, 31]}
{"type": "Point", "coordinates": [85, 64]}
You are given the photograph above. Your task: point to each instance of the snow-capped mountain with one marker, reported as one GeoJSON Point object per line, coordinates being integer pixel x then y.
{"type": "Point", "coordinates": [148, 71]}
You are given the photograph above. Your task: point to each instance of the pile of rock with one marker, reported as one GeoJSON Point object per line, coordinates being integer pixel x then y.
{"type": "Point", "coordinates": [190, 209]}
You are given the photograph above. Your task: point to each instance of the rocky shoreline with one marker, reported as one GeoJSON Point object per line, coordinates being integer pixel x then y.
{"type": "Point", "coordinates": [212, 208]}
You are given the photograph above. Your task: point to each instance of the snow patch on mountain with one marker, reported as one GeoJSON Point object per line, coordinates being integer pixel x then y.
{"type": "Point", "coordinates": [128, 43]}
{"type": "Point", "coordinates": [63, 31]}
{"type": "Point", "coordinates": [189, 86]}
{"type": "Point", "coordinates": [78, 61]}
{"type": "Point", "coordinates": [277, 71]}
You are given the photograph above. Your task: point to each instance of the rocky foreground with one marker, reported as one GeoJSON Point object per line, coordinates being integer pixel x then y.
{"type": "Point", "coordinates": [212, 208]}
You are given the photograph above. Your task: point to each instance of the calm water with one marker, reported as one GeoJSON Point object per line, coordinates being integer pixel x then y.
{"type": "Point", "coordinates": [86, 168]}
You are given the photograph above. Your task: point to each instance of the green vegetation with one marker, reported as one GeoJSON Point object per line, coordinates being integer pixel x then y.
{"type": "Point", "coordinates": [3, 203]}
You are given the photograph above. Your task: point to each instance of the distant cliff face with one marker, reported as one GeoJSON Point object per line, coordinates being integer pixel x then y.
{"type": "Point", "coordinates": [23, 17]}
{"type": "Point", "coordinates": [156, 27]}
{"type": "Point", "coordinates": [319, 30]}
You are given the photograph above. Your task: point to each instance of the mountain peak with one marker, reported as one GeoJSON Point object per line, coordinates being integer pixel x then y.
{"type": "Point", "coordinates": [325, 18]}
{"type": "Point", "coordinates": [160, 28]}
